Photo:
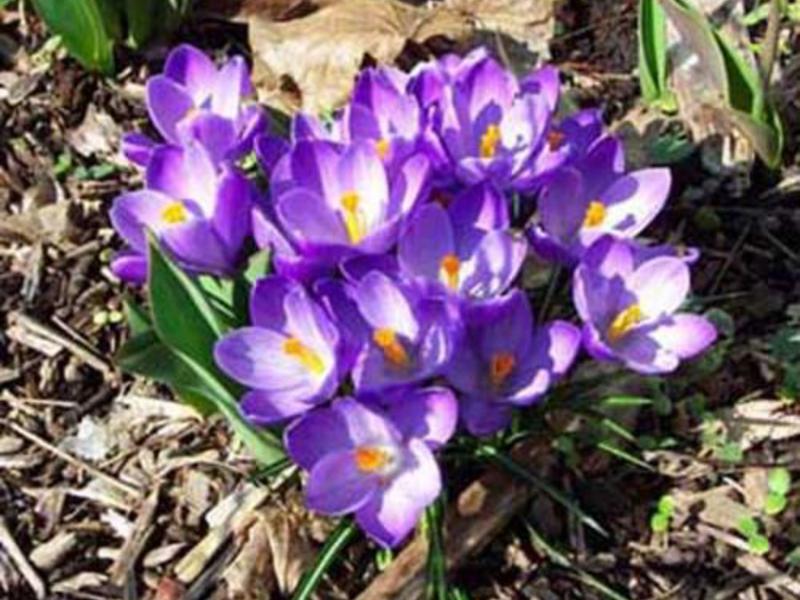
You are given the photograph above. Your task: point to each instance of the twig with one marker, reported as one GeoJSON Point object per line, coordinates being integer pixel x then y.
{"type": "Point", "coordinates": [731, 257]}
{"type": "Point", "coordinates": [8, 542]}
{"type": "Point", "coordinates": [771, 39]}
{"type": "Point", "coordinates": [134, 545]}
{"type": "Point", "coordinates": [120, 485]}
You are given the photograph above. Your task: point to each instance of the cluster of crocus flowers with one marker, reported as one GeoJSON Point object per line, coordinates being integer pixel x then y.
{"type": "Point", "coordinates": [394, 313]}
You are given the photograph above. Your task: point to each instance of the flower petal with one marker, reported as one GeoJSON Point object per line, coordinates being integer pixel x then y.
{"type": "Point", "coordinates": [168, 103]}
{"type": "Point", "coordinates": [429, 414]}
{"type": "Point", "coordinates": [265, 408]}
{"type": "Point", "coordinates": [425, 242]}
{"type": "Point", "coordinates": [686, 335]}
{"type": "Point", "coordinates": [336, 486]}
{"type": "Point", "coordinates": [385, 306]}
{"type": "Point", "coordinates": [193, 69]}
{"type": "Point", "coordinates": [634, 200]}
{"type": "Point", "coordinates": [317, 433]}
{"type": "Point", "coordinates": [484, 416]}
{"type": "Point", "coordinates": [660, 285]}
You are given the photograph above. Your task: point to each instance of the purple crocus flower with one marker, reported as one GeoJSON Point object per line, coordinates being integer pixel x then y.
{"type": "Point", "coordinates": [577, 206]}
{"type": "Point", "coordinates": [333, 201]}
{"type": "Point", "coordinates": [373, 462]}
{"type": "Point", "coordinates": [287, 357]}
{"type": "Point", "coordinates": [490, 127]}
{"type": "Point", "coordinates": [465, 250]}
{"type": "Point", "coordinates": [505, 362]}
{"type": "Point", "coordinates": [410, 336]}
{"type": "Point", "coordinates": [193, 100]}
{"type": "Point", "coordinates": [199, 213]}
{"type": "Point", "coordinates": [628, 306]}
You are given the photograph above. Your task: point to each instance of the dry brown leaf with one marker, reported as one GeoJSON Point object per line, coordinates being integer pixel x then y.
{"type": "Point", "coordinates": [751, 423]}
{"type": "Point", "coordinates": [249, 575]}
{"type": "Point", "coordinates": [310, 63]}
{"type": "Point", "coordinates": [291, 551]}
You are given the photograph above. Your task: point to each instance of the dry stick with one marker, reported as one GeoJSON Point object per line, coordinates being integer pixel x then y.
{"type": "Point", "coordinates": [134, 545]}
{"type": "Point", "coordinates": [771, 39]}
{"type": "Point", "coordinates": [8, 542]}
{"type": "Point", "coordinates": [120, 485]}
{"type": "Point", "coordinates": [480, 512]}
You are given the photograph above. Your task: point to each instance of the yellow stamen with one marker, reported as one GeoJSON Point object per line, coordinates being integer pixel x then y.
{"type": "Point", "coordinates": [353, 220]}
{"type": "Point", "coordinates": [555, 139]}
{"type": "Point", "coordinates": [305, 355]}
{"type": "Point", "coordinates": [451, 267]}
{"type": "Point", "coordinates": [624, 322]}
{"type": "Point", "coordinates": [500, 367]}
{"type": "Point", "coordinates": [393, 350]}
{"type": "Point", "coordinates": [595, 214]}
{"type": "Point", "coordinates": [490, 141]}
{"type": "Point", "coordinates": [382, 148]}
{"type": "Point", "coordinates": [174, 213]}
{"type": "Point", "coordinates": [370, 459]}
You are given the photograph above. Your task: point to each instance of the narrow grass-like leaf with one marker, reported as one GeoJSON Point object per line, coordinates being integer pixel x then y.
{"type": "Point", "coordinates": [436, 588]}
{"type": "Point", "coordinates": [624, 455]}
{"type": "Point", "coordinates": [515, 468]}
{"type": "Point", "coordinates": [626, 401]}
{"type": "Point", "coordinates": [336, 542]}
{"type": "Point", "coordinates": [560, 559]}
{"type": "Point", "coordinates": [619, 430]}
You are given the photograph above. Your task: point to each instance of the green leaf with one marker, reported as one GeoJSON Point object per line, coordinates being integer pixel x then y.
{"type": "Point", "coordinates": [137, 317]}
{"type": "Point", "coordinates": [774, 504]}
{"type": "Point", "coordinates": [182, 315]}
{"type": "Point", "coordinates": [653, 56]}
{"type": "Point", "coordinates": [659, 523]}
{"type": "Point", "coordinates": [336, 542]}
{"type": "Point", "coordinates": [758, 544]}
{"type": "Point", "coordinates": [730, 452]}
{"type": "Point", "coordinates": [82, 28]}
{"type": "Point", "coordinates": [626, 401]}
{"type": "Point", "coordinates": [436, 588]}
{"type": "Point", "coordinates": [666, 505]}
{"type": "Point", "coordinates": [624, 455]}
{"type": "Point", "coordinates": [748, 527]}
{"type": "Point", "coordinates": [779, 481]}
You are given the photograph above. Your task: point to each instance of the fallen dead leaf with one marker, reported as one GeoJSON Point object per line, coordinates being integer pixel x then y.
{"type": "Point", "coordinates": [310, 63]}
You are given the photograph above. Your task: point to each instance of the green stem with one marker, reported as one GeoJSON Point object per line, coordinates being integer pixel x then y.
{"type": "Point", "coordinates": [437, 567]}
{"type": "Point", "coordinates": [335, 543]}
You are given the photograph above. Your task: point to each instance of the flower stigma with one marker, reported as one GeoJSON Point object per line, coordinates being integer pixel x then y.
{"type": "Point", "coordinates": [595, 214]}
{"type": "Point", "coordinates": [174, 213]}
{"type": "Point", "coordinates": [489, 141]}
{"type": "Point", "coordinates": [500, 367]}
{"type": "Point", "coordinates": [353, 220]}
{"type": "Point", "coordinates": [304, 355]}
{"type": "Point", "coordinates": [624, 322]}
{"type": "Point", "coordinates": [393, 351]}
{"type": "Point", "coordinates": [450, 267]}
{"type": "Point", "coordinates": [371, 459]}
{"type": "Point", "coordinates": [382, 148]}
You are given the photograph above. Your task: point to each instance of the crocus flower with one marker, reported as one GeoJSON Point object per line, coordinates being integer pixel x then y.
{"type": "Point", "coordinates": [287, 357]}
{"type": "Point", "coordinates": [333, 201]}
{"type": "Point", "coordinates": [465, 250]}
{"type": "Point", "coordinates": [410, 336]}
{"type": "Point", "coordinates": [193, 100]}
{"type": "Point", "coordinates": [504, 361]}
{"type": "Point", "coordinates": [372, 462]}
{"type": "Point", "coordinates": [490, 128]}
{"type": "Point", "coordinates": [629, 308]}
{"type": "Point", "coordinates": [579, 205]}
{"type": "Point", "coordinates": [199, 213]}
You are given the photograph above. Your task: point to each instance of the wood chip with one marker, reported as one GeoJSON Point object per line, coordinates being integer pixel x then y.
{"type": "Point", "coordinates": [129, 554]}
{"type": "Point", "coordinates": [164, 554]}
{"type": "Point", "coordinates": [51, 553]}
{"type": "Point", "coordinates": [8, 542]}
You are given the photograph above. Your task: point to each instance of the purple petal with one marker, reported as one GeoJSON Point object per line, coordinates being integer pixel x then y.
{"type": "Point", "coordinates": [563, 205]}
{"type": "Point", "coordinates": [266, 302]}
{"type": "Point", "coordinates": [137, 148]}
{"type": "Point", "coordinates": [685, 335]}
{"type": "Point", "coordinates": [197, 244]}
{"type": "Point", "coordinates": [644, 354]}
{"type": "Point", "coordinates": [634, 200]}
{"type": "Point", "coordinates": [230, 85]}
{"type": "Point", "coordinates": [484, 416]}
{"type": "Point", "coordinates": [409, 184]}
{"type": "Point", "coordinates": [337, 487]}
{"type": "Point", "coordinates": [366, 425]}
{"type": "Point", "coordinates": [265, 408]}
{"type": "Point", "coordinates": [134, 212]}
{"type": "Point", "coordinates": [384, 305]}
{"type": "Point", "coordinates": [494, 265]}
{"type": "Point", "coordinates": [317, 433]}
{"type": "Point", "coordinates": [481, 206]}
{"type": "Point", "coordinates": [361, 171]}
{"type": "Point", "coordinates": [269, 149]}
{"type": "Point", "coordinates": [544, 81]}
{"type": "Point", "coordinates": [184, 174]}
{"type": "Point", "coordinates": [130, 266]}
{"type": "Point", "coordinates": [660, 285]}
{"type": "Point", "coordinates": [191, 68]}
{"type": "Point", "coordinates": [168, 104]}
{"type": "Point", "coordinates": [232, 211]}
{"type": "Point", "coordinates": [309, 220]}
{"type": "Point", "coordinates": [391, 515]}
{"type": "Point", "coordinates": [429, 414]}
{"type": "Point", "coordinates": [215, 133]}
{"type": "Point", "coordinates": [426, 240]}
